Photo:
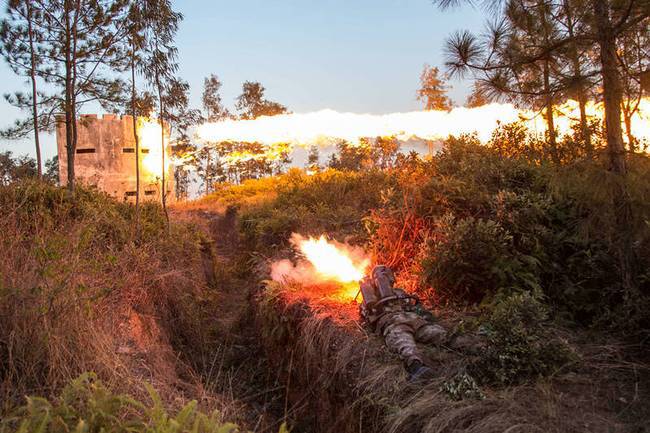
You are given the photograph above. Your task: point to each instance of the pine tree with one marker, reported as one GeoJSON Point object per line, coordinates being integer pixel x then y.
{"type": "Point", "coordinates": [159, 66]}
{"type": "Point", "coordinates": [605, 23]}
{"type": "Point", "coordinates": [18, 46]}
{"type": "Point", "coordinates": [79, 59]}
{"type": "Point", "coordinates": [135, 44]}
{"type": "Point", "coordinates": [433, 90]}
{"type": "Point", "coordinates": [514, 63]}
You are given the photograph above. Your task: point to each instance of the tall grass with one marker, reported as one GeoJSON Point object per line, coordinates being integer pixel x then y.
{"type": "Point", "coordinates": [78, 292]}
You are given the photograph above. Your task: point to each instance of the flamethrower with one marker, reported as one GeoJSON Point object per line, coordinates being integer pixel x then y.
{"type": "Point", "coordinates": [378, 290]}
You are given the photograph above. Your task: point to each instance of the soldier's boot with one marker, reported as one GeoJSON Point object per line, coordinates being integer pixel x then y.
{"type": "Point", "coordinates": [418, 372]}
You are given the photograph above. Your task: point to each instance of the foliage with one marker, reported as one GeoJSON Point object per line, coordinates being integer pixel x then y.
{"type": "Point", "coordinates": [470, 224]}
{"type": "Point", "coordinates": [515, 140]}
{"type": "Point", "coordinates": [251, 104]}
{"type": "Point", "coordinates": [329, 201]}
{"type": "Point", "coordinates": [542, 52]}
{"type": "Point", "coordinates": [433, 90]}
{"type": "Point", "coordinates": [462, 386]}
{"type": "Point", "coordinates": [473, 222]}
{"type": "Point", "coordinates": [13, 168]}
{"type": "Point", "coordinates": [520, 345]}
{"type": "Point", "coordinates": [18, 46]}
{"type": "Point", "coordinates": [471, 258]}
{"type": "Point", "coordinates": [378, 153]}
{"type": "Point", "coordinates": [211, 100]}
{"type": "Point", "coordinates": [87, 405]}
{"type": "Point", "coordinates": [69, 259]}
{"type": "Point", "coordinates": [52, 170]}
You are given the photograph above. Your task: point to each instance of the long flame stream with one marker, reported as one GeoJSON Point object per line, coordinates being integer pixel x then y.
{"type": "Point", "coordinates": [320, 127]}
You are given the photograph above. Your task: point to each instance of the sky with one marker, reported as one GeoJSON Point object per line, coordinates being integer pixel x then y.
{"type": "Point", "coordinates": [357, 56]}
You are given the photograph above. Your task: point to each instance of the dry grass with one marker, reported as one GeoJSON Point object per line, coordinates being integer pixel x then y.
{"type": "Point", "coordinates": [78, 293]}
{"type": "Point", "coordinates": [342, 379]}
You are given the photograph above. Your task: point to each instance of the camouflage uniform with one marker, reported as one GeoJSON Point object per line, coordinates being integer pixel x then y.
{"type": "Point", "coordinates": [398, 320]}
{"type": "Point", "coordinates": [403, 329]}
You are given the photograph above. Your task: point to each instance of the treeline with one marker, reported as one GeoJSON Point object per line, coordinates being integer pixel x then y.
{"type": "Point", "coordinates": [121, 55]}
{"type": "Point", "coordinates": [80, 52]}
{"type": "Point", "coordinates": [231, 161]}
{"type": "Point", "coordinates": [16, 168]}
{"type": "Point", "coordinates": [540, 53]}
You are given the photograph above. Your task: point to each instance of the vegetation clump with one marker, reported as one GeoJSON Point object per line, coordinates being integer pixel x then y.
{"type": "Point", "coordinates": [69, 260]}
{"type": "Point", "coordinates": [520, 344]}
{"type": "Point", "coordinates": [87, 405]}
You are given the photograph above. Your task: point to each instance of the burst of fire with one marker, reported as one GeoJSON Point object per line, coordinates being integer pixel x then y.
{"type": "Point", "coordinates": [272, 152]}
{"type": "Point", "coordinates": [328, 261]}
{"type": "Point", "coordinates": [319, 128]}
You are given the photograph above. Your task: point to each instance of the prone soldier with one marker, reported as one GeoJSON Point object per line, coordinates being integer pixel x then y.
{"type": "Point", "coordinates": [398, 317]}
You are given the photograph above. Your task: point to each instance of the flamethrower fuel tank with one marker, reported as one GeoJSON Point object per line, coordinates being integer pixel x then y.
{"type": "Point", "coordinates": [384, 281]}
{"type": "Point", "coordinates": [378, 286]}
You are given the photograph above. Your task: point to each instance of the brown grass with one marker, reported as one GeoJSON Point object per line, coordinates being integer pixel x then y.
{"type": "Point", "coordinates": [344, 380]}
{"type": "Point", "coordinates": [78, 293]}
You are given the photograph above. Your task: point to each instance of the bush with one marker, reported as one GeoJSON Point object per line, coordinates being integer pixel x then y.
{"type": "Point", "coordinates": [468, 259]}
{"type": "Point", "coordinates": [331, 201]}
{"type": "Point", "coordinates": [472, 222]}
{"type": "Point", "coordinates": [86, 405]}
{"type": "Point", "coordinates": [520, 345]}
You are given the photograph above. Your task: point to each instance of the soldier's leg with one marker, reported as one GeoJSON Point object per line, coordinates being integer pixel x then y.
{"type": "Point", "coordinates": [399, 339]}
{"type": "Point", "coordinates": [430, 333]}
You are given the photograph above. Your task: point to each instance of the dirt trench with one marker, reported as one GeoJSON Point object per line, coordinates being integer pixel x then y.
{"type": "Point", "coordinates": [238, 370]}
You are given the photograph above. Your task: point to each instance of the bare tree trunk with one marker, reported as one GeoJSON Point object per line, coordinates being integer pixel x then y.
{"type": "Point", "coordinates": [627, 119]}
{"type": "Point", "coordinates": [612, 88]}
{"type": "Point", "coordinates": [73, 83]}
{"type": "Point", "coordinates": [69, 112]}
{"type": "Point", "coordinates": [584, 124]}
{"type": "Point", "coordinates": [34, 94]}
{"type": "Point", "coordinates": [550, 121]}
{"type": "Point", "coordinates": [137, 143]}
{"type": "Point", "coordinates": [612, 97]}
{"type": "Point", "coordinates": [207, 174]}
{"type": "Point", "coordinates": [162, 145]}
{"type": "Point", "coordinates": [580, 90]}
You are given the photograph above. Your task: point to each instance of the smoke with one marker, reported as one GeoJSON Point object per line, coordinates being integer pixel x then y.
{"type": "Point", "coordinates": [302, 272]}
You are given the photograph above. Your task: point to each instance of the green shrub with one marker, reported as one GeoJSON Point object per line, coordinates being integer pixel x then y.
{"type": "Point", "coordinates": [330, 201]}
{"type": "Point", "coordinates": [86, 405]}
{"type": "Point", "coordinates": [469, 258]}
{"type": "Point", "coordinates": [462, 386]}
{"type": "Point", "coordinates": [520, 345]}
